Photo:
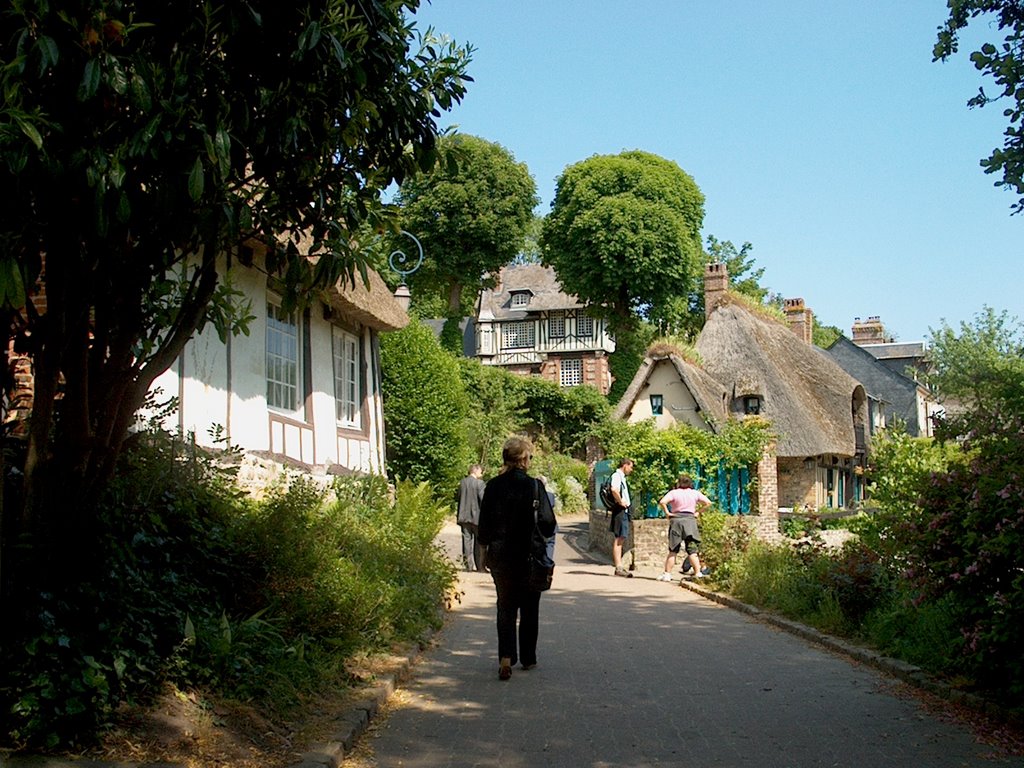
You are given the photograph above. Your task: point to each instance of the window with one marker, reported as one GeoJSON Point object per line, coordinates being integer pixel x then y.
{"type": "Point", "coordinates": [282, 359]}
{"type": "Point", "coordinates": [346, 378]}
{"type": "Point", "coordinates": [752, 405]}
{"type": "Point", "coordinates": [518, 335]}
{"type": "Point", "coordinates": [521, 299]}
{"type": "Point", "coordinates": [556, 325]}
{"type": "Point", "coordinates": [657, 405]}
{"type": "Point", "coordinates": [572, 373]}
{"type": "Point", "coordinates": [584, 326]}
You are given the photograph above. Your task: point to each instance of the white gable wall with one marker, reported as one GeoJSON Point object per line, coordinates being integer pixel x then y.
{"type": "Point", "coordinates": [678, 404]}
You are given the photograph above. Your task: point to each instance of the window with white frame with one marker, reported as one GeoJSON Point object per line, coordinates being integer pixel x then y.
{"type": "Point", "coordinates": [556, 325]}
{"type": "Point", "coordinates": [347, 399]}
{"type": "Point", "coordinates": [517, 335]}
{"type": "Point", "coordinates": [520, 299]}
{"type": "Point", "coordinates": [584, 326]}
{"type": "Point", "coordinates": [283, 359]}
{"type": "Point", "coordinates": [572, 373]}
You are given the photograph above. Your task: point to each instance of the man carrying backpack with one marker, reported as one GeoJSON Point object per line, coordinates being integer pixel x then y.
{"type": "Point", "coordinates": [620, 515]}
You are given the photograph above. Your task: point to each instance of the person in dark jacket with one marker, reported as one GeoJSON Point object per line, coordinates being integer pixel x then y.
{"type": "Point", "coordinates": [467, 499]}
{"type": "Point", "coordinates": [506, 528]}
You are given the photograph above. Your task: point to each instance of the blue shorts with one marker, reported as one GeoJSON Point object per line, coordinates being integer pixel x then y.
{"type": "Point", "coordinates": [620, 524]}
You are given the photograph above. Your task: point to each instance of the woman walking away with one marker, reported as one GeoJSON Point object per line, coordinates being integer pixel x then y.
{"type": "Point", "coordinates": [682, 505]}
{"type": "Point", "coordinates": [506, 527]}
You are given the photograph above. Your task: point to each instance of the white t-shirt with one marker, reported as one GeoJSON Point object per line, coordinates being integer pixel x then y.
{"type": "Point", "coordinates": [619, 484]}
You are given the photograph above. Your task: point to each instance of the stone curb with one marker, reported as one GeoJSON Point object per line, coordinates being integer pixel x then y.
{"type": "Point", "coordinates": [908, 673]}
{"type": "Point", "coordinates": [354, 723]}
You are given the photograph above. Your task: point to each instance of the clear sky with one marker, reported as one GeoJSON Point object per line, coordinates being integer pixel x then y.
{"type": "Point", "coordinates": [818, 130]}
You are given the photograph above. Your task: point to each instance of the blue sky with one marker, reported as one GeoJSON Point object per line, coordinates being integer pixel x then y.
{"type": "Point", "coordinates": [820, 132]}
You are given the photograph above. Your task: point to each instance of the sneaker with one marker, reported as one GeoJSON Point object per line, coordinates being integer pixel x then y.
{"type": "Point", "coordinates": [665, 577]}
{"type": "Point", "coordinates": [623, 573]}
{"type": "Point", "coordinates": [700, 575]}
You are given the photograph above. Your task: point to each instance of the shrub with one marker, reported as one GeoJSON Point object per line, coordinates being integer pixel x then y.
{"type": "Point", "coordinates": [195, 585]}
{"type": "Point", "coordinates": [425, 409]}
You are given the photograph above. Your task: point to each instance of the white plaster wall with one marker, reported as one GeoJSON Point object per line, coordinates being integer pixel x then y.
{"type": "Point", "coordinates": [678, 403]}
{"type": "Point", "coordinates": [200, 379]}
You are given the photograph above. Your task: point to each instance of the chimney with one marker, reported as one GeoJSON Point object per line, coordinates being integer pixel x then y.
{"type": "Point", "coordinates": [800, 318]}
{"type": "Point", "coordinates": [871, 331]}
{"type": "Point", "coordinates": [716, 283]}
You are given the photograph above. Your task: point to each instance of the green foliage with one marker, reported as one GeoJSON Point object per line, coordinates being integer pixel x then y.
{"type": "Point", "coordinates": [725, 540]}
{"type": "Point", "coordinates": [1004, 63]}
{"type": "Point", "coordinates": [631, 343]}
{"type": "Point", "coordinates": [684, 315]}
{"type": "Point", "coordinates": [161, 549]}
{"type": "Point", "coordinates": [567, 479]}
{"type": "Point", "coordinates": [824, 336]}
{"type": "Point", "coordinates": [503, 404]}
{"type": "Point", "coordinates": [981, 365]}
{"type": "Point", "coordinates": [564, 415]}
{"type": "Point", "coordinates": [624, 233]}
{"type": "Point", "coordinates": [496, 409]}
{"type": "Point", "coordinates": [900, 465]}
{"type": "Point", "coordinates": [471, 214]}
{"type": "Point", "coordinates": [142, 142]}
{"type": "Point", "coordinates": [425, 409]}
{"type": "Point", "coordinates": [195, 585]}
{"type": "Point", "coordinates": [659, 453]}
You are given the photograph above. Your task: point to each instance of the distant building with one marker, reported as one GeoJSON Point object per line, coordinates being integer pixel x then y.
{"type": "Point", "coordinates": [895, 395]}
{"type": "Point", "coordinates": [529, 326]}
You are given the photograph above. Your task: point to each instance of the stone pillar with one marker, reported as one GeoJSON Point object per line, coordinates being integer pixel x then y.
{"type": "Point", "coordinates": [766, 521]}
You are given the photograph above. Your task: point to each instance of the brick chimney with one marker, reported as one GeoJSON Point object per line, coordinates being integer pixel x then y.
{"type": "Point", "coordinates": [800, 318]}
{"type": "Point", "coordinates": [870, 331]}
{"type": "Point", "coordinates": [716, 283]}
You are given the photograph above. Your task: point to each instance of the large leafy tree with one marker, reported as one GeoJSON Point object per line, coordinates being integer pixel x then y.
{"type": "Point", "coordinates": [472, 215]}
{"type": "Point", "coordinates": [624, 234]}
{"type": "Point", "coordinates": [141, 140]}
{"type": "Point", "coordinates": [1004, 62]}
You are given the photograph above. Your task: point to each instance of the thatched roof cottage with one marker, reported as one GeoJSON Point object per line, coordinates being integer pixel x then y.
{"type": "Point", "coordinates": [752, 363]}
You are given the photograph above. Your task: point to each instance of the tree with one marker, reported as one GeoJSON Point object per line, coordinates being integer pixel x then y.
{"type": "Point", "coordinates": [472, 216]}
{"type": "Point", "coordinates": [141, 141]}
{"type": "Point", "coordinates": [624, 234]}
{"type": "Point", "coordinates": [1005, 64]}
{"type": "Point", "coordinates": [684, 315]}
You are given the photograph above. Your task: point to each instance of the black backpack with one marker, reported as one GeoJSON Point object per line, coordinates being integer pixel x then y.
{"type": "Point", "coordinates": [605, 492]}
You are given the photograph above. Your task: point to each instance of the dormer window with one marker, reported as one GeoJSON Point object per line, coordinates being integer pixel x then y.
{"type": "Point", "coordinates": [752, 405]}
{"type": "Point", "coordinates": [520, 299]}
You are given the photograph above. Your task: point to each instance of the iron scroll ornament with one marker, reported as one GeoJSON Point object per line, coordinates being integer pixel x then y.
{"type": "Point", "coordinates": [398, 259]}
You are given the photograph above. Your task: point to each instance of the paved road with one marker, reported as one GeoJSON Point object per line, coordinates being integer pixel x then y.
{"type": "Point", "coordinates": [638, 673]}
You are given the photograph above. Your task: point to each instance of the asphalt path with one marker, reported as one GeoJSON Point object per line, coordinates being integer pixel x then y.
{"type": "Point", "coordinates": [636, 672]}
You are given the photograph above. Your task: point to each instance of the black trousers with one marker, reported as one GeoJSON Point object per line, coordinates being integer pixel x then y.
{"type": "Point", "coordinates": [515, 599]}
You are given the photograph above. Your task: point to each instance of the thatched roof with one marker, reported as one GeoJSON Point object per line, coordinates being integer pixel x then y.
{"type": "Point", "coordinates": [540, 281]}
{"type": "Point", "coordinates": [805, 395]}
{"type": "Point", "coordinates": [372, 305]}
{"type": "Point", "coordinates": [711, 396]}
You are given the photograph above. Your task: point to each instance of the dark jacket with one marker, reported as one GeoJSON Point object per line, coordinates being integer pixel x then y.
{"type": "Point", "coordinates": [506, 519]}
{"type": "Point", "coordinates": [470, 493]}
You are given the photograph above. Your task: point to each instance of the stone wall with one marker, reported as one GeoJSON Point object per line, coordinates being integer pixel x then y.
{"type": "Point", "coordinates": [648, 541]}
